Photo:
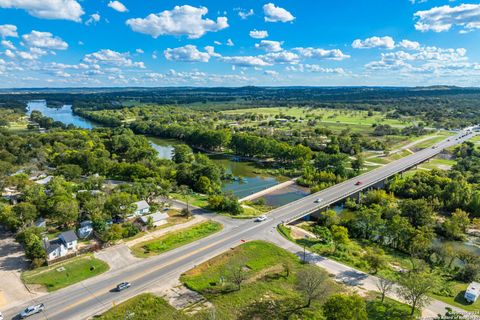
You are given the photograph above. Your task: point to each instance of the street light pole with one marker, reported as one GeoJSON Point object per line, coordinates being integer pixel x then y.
{"type": "Point", "coordinates": [305, 249]}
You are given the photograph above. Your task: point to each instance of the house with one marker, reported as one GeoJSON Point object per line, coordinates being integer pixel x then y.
{"type": "Point", "coordinates": [61, 246]}
{"type": "Point", "coordinates": [473, 292]}
{"type": "Point", "coordinates": [142, 208]}
{"type": "Point", "coordinates": [158, 218]}
{"type": "Point", "coordinates": [85, 229]}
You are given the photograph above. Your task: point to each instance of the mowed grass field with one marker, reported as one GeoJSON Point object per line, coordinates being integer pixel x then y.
{"type": "Point", "coordinates": [65, 273]}
{"type": "Point", "coordinates": [175, 239]}
{"type": "Point", "coordinates": [356, 117]}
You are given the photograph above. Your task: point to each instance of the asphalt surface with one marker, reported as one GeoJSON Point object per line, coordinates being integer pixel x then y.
{"type": "Point", "coordinates": [94, 296]}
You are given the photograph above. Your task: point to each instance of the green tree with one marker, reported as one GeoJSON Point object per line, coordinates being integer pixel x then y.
{"type": "Point", "coordinates": [414, 288]}
{"type": "Point", "coordinates": [69, 171]}
{"type": "Point", "coordinates": [120, 204]}
{"type": "Point", "coordinates": [340, 237]}
{"type": "Point", "coordinates": [25, 212]}
{"type": "Point", "coordinates": [342, 307]}
{"type": "Point", "coordinates": [64, 210]}
{"type": "Point", "coordinates": [418, 211]}
{"type": "Point", "coordinates": [313, 283]}
{"type": "Point", "coordinates": [375, 257]}
{"type": "Point", "coordinates": [456, 226]}
{"type": "Point", "coordinates": [183, 154]}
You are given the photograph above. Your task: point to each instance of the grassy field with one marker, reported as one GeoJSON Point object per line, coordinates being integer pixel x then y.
{"type": "Point", "coordinates": [267, 293]}
{"type": "Point", "coordinates": [266, 282]}
{"type": "Point", "coordinates": [175, 239]}
{"type": "Point", "coordinates": [65, 273]}
{"type": "Point", "coordinates": [390, 309]}
{"type": "Point", "coordinates": [356, 117]}
{"type": "Point", "coordinates": [144, 307]}
{"type": "Point", "coordinates": [458, 299]}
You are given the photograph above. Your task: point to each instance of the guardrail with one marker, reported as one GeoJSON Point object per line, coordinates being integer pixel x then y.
{"type": "Point", "coordinates": [407, 166]}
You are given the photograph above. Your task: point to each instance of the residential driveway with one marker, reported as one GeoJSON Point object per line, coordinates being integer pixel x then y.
{"type": "Point", "coordinates": [12, 262]}
{"type": "Point", "coordinates": [117, 257]}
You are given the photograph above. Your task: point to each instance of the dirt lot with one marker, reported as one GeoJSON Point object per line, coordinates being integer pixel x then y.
{"type": "Point", "coordinates": [12, 262]}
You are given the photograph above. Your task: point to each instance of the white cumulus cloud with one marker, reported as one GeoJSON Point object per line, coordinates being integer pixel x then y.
{"type": "Point", "coordinates": [182, 20]}
{"type": "Point", "coordinates": [117, 6]}
{"type": "Point", "coordinates": [111, 58]}
{"type": "Point", "coordinates": [322, 54]}
{"type": "Point", "coordinates": [258, 34]}
{"type": "Point", "coordinates": [188, 53]}
{"type": "Point", "coordinates": [246, 61]}
{"type": "Point", "coordinates": [8, 44]}
{"type": "Point", "coordinates": [276, 14]}
{"type": "Point", "coordinates": [47, 9]}
{"type": "Point", "coordinates": [409, 45]}
{"type": "Point", "coordinates": [269, 45]}
{"type": "Point", "coordinates": [94, 18]}
{"type": "Point", "coordinates": [439, 19]}
{"type": "Point", "coordinates": [244, 14]}
{"type": "Point", "coordinates": [374, 42]}
{"type": "Point", "coordinates": [44, 40]}
{"type": "Point", "coordinates": [8, 30]}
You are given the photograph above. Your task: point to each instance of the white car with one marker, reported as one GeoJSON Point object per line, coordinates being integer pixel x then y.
{"type": "Point", "coordinates": [261, 218]}
{"type": "Point", "coordinates": [32, 310]}
{"type": "Point", "coordinates": [1, 316]}
{"type": "Point", "coordinates": [318, 200]}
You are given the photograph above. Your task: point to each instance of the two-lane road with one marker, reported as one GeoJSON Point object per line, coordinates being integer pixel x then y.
{"type": "Point", "coordinates": [93, 296]}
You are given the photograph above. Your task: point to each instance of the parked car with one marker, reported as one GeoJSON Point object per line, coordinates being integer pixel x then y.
{"type": "Point", "coordinates": [122, 286]}
{"type": "Point", "coordinates": [358, 183]}
{"type": "Point", "coordinates": [1, 316]}
{"type": "Point", "coordinates": [30, 311]}
{"type": "Point", "coordinates": [318, 200]}
{"type": "Point", "coordinates": [261, 218]}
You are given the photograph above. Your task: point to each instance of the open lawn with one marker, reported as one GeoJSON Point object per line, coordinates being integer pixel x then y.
{"type": "Point", "coordinates": [458, 298]}
{"type": "Point", "coordinates": [390, 309]}
{"type": "Point", "coordinates": [175, 239]}
{"type": "Point", "coordinates": [65, 273]}
{"type": "Point", "coordinates": [356, 117]}
{"type": "Point", "coordinates": [144, 307]}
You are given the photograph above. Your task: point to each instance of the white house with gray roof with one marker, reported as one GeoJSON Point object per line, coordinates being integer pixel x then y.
{"type": "Point", "coordinates": [141, 208]}
{"type": "Point", "coordinates": [65, 243]}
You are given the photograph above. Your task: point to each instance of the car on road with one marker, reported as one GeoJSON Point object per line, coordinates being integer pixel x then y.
{"type": "Point", "coordinates": [261, 218]}
{"type": "Point", "coordinates": [319, 200]}
{"type": "Point", "coordinates": [30, 311]}
{"type": "Point", "coordinates": [434, 147]}
{"type": "Point", "coordinates": [358, 183]}
{"type": "Point", "coordinates": [122, 286]}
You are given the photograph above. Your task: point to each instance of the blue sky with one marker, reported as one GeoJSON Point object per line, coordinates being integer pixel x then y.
{"type": "Point", "coordinates": [74, 43]}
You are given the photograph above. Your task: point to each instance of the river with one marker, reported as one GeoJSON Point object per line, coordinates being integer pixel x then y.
{"type": "Point", "coordinates": [63, 114]}
{"type": "Point", "coordinates": [248, 180]}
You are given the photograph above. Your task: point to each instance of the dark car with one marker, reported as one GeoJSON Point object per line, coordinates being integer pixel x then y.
{"type": "Point", "coordinates": [358, 183]}
{"type": "Point", "coordinates": [122, 286]}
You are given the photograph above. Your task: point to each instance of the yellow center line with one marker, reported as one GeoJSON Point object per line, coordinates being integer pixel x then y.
{"type": "Point", "coordinates": [143, 273]}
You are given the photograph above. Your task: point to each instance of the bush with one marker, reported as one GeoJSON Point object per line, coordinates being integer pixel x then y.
{"type": "Point", "coordinates": [225, 203]}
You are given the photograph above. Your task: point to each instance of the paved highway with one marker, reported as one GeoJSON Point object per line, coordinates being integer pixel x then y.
{"type": "Point", "coordinates": [93, 296]}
